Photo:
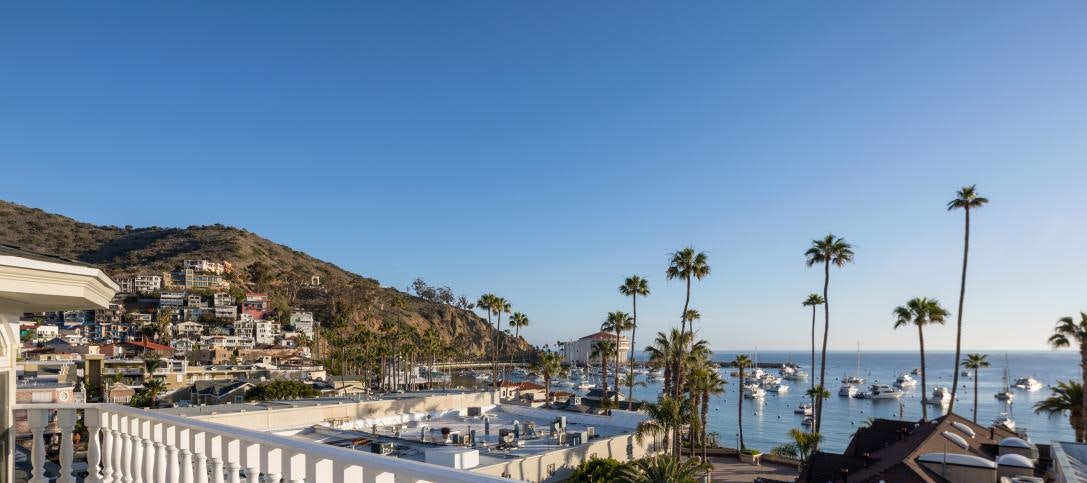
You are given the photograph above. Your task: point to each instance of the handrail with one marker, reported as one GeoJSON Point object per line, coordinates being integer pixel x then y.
{"type": "Point", "coordinates": [318, 450]}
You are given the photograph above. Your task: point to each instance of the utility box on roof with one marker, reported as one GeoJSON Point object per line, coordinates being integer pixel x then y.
{"type": "Point", "coordinates": [459, 458]}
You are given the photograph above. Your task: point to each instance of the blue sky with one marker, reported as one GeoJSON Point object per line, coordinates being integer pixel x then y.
{"type": "Point", "coordinates": [546, 150]}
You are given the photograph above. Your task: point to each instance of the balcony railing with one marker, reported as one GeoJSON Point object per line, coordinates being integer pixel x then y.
{"type": "Point", "coordinates": [127, 445]}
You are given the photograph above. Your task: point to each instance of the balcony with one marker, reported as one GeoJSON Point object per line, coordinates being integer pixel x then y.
{"type": "Point", "coordinates": [126, 445]}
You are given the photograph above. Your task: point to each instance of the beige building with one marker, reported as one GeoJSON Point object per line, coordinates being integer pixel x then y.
{"type": "Point", "coordinates": [580, 351]}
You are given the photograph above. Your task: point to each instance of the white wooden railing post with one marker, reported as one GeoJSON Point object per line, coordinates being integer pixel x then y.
{"type": "Point", "coordinates": [38, 418]}
{"type": "Point", "coordinates": [118, 448]}
{"type": "Point", "coordinates": [127, 441]}
{"type": "Point", "coordinates": [147, 439]}
{"type": "Point", "coordinates": [159, 432]}
{"type": "Point", "coordinates": [107, 447]}
{"type": "Point", "coordinates": [200, 456]}
{"type": "Point", "coordinates": [66, 421]}
{"type": "Point", "coordinates": [136, 430]}
{"type": "Point", "coordinates": [272, 465]}
{"type": "Point", "coordinates": [346, 473]}
{"type": "Point", "coordinates": [250, 460]}
{"type": "Point", "coordinates": [294, 466]}
{"type": "Point", "coordinates": [216, 450]}
{"type": "Point", "coordinates": [318, 470]}
{"type": "Point", "coordinates": [173, 472]}
{"type": "Point", "coordinates": [185, 455]}
{"type": "Point", "coordinates": [233, 460]}
{"type": "Point", "coordinates": [92, 420]}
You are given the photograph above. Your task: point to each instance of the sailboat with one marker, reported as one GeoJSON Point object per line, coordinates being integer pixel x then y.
{"type": "Point", "coordinates": [855, 378]}
{"type": "Point", "coordinates": [1006, 394]}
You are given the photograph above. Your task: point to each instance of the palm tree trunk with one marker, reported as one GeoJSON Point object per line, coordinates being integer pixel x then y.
{"type": "Point", "coordinates": [823, 358]}
{"type": "Point", "coordinates": [740, 409]}
{"type": "Point", "coordinates": [924, 388]}
{"type": "Point", "coordinates": [1083, 366]}
{"type": "Point", "coordinates": [617, 352]}
{"type": "Point", "coordinates": [705, 412]}
{"type": "Point", "coordinates": [958, 325]}
{"type": "Point", "coordinates": [633, 332]}
{"type": "Point", "coordinates": [812, 380]}
{"type": "Point", "coordinates": [975, 395]}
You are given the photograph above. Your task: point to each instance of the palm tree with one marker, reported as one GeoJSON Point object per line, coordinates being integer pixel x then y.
{"type": "Point", "coordinates": [1065, 334]}
{"type": "Point", "coordinates": [663, 417]}
{"type": "Point", "coordinates": [661, 469]}
{"type": "Point", "coordinates": [686, 264]}
{"type": "Point", "coordinates": [813, 301]}
{"type": "Point", "coordinates": [603, 350]}
{"type": "Point", "coordinates": [802, 446]}
{"type": "Point", "coordinates": [828, 250]}
{"type": "Point", "coordinates": [549, 365]}
{"type": "Point", "coordinates": [975, 362]}
{"type": "Point", "coordinates": [817, 394]}
{"type": "Point", "coordinates": [1067, 397]}
{"type": "Point", "coordinates": [966, 199]}
{"type": "Point", "coordinates": [517, 320]}
{"type": "Point", "coordinates": [693, 315]}
{"type": "Point", "coordinates": [920, 312]}
{"type": "Point", "coordinates": [705, 381]}
{"type": "Point", "coordinates": [499, 306]}
{"type": "Point", "coordinates": [741, 362]}
{"type": "Point", "coordinates": [665, 351]}
{"type": "Point", "coordinates": [617, 322]}
{"type": "Point", "coordinates": [632, 287]}
{"type": "Point", "coordinates": [154, 387]}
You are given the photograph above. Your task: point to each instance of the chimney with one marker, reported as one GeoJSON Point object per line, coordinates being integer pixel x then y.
{"type": "Point", "coordinates": [845, 474]}
{"type": "Point", "coordinates": [992, 432]}
{"type": "Point", "coordinates": [867, 457]}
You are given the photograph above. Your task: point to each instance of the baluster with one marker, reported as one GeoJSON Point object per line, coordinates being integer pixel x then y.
{"type": "Point", "coordinates": [185, 456]}
{"type": "Point", "coordinates": [216, 470]}
{"type": "Point", "coordinates": [294, 466]}
{"type": "Point", "coordinates": [135, 462]}
{"type": "Point", "coordinates": [251, 460]}
{"type": "Point", "coordinates": [38, 419]}
{"type": "Point", "coordinates": [344, 473]}
{"type": "Point", "coordinates": [173, 473]}
{"type": "Point", "coordinates": [126, 449]}
{"type": "Point", "coordinates": [231, 454]}
{"type": "Point", "coordinates": [200, 460]}
{"type": "Point", "coordinates": [92, 420]}
{"type": "Point", "coordinates": [66, 421]}
{"type": "Point", "coordinates": [107, 448]}
{"type": "Point", "coordinates": [118, 451]}
{"type": "Point", "coordinates": [148, 454]}
{"type": "Point", "coordinates": [160, 462]}
{"type": "Point", "coordinates": [318, 470]}
{"type": "Point", "coordinates": [232, 472]}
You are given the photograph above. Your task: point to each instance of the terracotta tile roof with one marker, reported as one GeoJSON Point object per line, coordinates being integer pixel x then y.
{"type": "Point", "coordinates": [599, 336]}
{"type": "Point", "coordinates": [146, 344]}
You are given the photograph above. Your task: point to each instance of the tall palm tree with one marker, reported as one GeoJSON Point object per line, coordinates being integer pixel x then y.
{"type": "Point", "coordinates": [549, 365]}
{"type": "Point", "coordinates": [706, 381]}
{"type": "Point", "coordinates": [692, 316]}
{"type": "Point", "coordinates": [966, 199]}
{"type": "Point", "coordinates": [686, 264]}
{"type": "Point", "coordinates": [741, 362]}
{"type": "Point", "coordinates": [664, 352]}
{"type": "Point", "coordinates": [830, 250]}
{"type": "Point", "coordinates": [1067, 332]}
{"type": "Point", "coordinates": [499, 306]}
{"type": "Point", "coordinates": [484, 303]}
{"type": "Point", "coordinates": [666, 414]}
{"type": "Point", "coordinates": [921, 311]}
{"type": "Point", "coordinates": [1067, 397]}
{"type": "Point", "coordinates": [517, 320]}
{"type": "Point", "coordinates": [814, 300]}
{"type": "Point", "coordinates": [633, 287]}
{"type": "Point", "coordinates": [975, 362]}
{"type": "Point", "coordinates": [617, 322]}
{"type": "Point", "coordinates": [604, 350]}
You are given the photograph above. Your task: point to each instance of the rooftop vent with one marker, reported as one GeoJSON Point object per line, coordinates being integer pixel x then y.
{"type": "Point", "coordinates": [1016, 460]}
{"type": "Point", "coordinates": [964, 428]}
{"type": "Point", "coordinates": [956, 439]}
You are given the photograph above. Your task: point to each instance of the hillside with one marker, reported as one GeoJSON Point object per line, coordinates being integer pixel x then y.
{"type": "Point", "coordinates": [346, 299]}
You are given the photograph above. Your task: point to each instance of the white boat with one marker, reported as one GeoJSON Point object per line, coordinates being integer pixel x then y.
{"type": "Point", "coordinates": [847, 390]}
{"type": "Point", "coordinates": [854, 378]}
{"type": "Point", "coordinates": [584, 385]}
{"type": "Point", "coordinates": [905, 381]}
{"type": "Point", "coordinates": [778, 387]}
{"type": "Point", "coordinates": [1006, 421]}
{"type": "Point", "coordinates": [798, 375]}
{"type": "Point", "coordinates": [1028, 384]}
{"type": "Point", "coordinates": [808, 420]}
{"type": "Point", "coordinates": [769, 380]}
{"type": "Point", "coordinates": [881, 391]}
{"type": "Point", "coordinates": [482, 376]}
{"type": "Point", "coordinates": [804, 409]}
{"type": "Point", "coordinates": [754, 392]}
{"type": "Point", "coordinates": [965, 374]}
{"type": "Point", "coordinates": [562, 383]}
{"type": "Point", "coordinates": [941, 396]}
{"type": "Point", "coordinates": [916, 371]}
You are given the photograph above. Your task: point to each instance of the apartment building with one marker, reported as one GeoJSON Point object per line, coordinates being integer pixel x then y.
{"type": "Point", "coordinates": [302, 322]}
{"type": "Point", "coordinates": [189, 278]}
{"type": "Point", "coordinates": [204, 266]}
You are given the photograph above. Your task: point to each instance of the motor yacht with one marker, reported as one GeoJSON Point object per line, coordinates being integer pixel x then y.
{"type": "Point", "coordinates": [854, 380]}
{"type": "Point", "coordinates": [804, 409]}
{"type": "Point", "coordinates": [1028, 384]}
{"type": "Point", "coordinates": [905, 381]}
{"type": "Point", "coordinates": [1006, 421]}
{"type": "Point", "coordinates": [777, 387]}
{"type": "Point", "coordinates": [847, 390]}
{"type": "Point", "coordinates": [1005, 395]}
{"type": "Point", "coordinates": [941, 396]}
{"type": "Point", "coordinates": [809, 420]}
{"type": "Point", "coordinates": [584, 385]}
{"type": "Point", "coordinates": [754, 392]}
{"type": "Point", "coordinates": [882, 391]}
{"type": "Point", "coordinates": [797, 375]}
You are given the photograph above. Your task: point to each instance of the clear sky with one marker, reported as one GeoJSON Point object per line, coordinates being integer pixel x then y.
{"type": "Point", "coordinates": [546, 150]}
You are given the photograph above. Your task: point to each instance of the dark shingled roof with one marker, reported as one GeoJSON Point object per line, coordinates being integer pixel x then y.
{"type": "Point", "coordinates": [18, 251]}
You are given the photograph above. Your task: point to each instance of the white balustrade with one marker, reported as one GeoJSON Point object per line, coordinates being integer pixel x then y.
{"type": "Point", "coordinates": [129, 445]}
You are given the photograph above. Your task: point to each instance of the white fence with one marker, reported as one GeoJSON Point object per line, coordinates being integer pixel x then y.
{"type": "Point", "coordinates": [127, 445]}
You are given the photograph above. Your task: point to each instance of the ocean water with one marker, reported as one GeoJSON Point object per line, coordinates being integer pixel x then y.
{"type": "Point", "coordinates": [767, 422]}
